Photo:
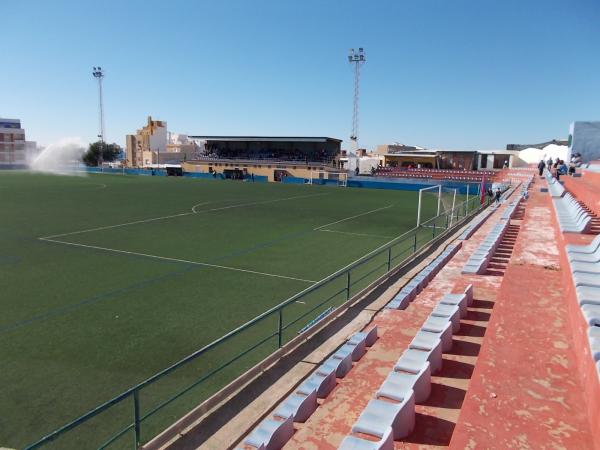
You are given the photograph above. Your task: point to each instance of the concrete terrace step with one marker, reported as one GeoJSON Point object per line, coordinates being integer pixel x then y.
{"type": "Point", "coordinates": [529, 324]}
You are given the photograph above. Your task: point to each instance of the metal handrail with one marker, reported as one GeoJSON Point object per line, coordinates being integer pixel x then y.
{"type": "Point", "coordinates": [135, 390]}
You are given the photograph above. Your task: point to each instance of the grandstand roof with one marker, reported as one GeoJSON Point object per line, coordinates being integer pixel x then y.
{"type": "Point", "coordinates": [268, 138]}
{"type": "Point", "coordinates": [420, 155]}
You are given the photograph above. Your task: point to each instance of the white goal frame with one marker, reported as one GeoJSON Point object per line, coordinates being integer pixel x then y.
{"type": "Point", "coordinates": [439, 202]}
{"type": "Point", "coordinates": [341, 177]}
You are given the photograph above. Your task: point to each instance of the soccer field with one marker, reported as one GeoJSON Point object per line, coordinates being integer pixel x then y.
{"type": "Point", "coordinates": [108, 279]}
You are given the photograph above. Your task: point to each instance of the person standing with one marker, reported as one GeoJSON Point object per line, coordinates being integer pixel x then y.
{"type": "Point", "coordinates": [497, 196]}
{"type": "Point", "coordinates": [561, 169]}
{"type": "Point", "coordinates": [541, 166]}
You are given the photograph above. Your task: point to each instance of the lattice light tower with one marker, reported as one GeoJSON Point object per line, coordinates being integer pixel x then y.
{"type": "Point", "coordinates": [358, 58]}
{"type": "Point", "coordinates": [99, 74]}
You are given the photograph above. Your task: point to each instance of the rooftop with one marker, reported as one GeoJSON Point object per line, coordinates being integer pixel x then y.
{"type": "Point", "coordinates": [267, 138]}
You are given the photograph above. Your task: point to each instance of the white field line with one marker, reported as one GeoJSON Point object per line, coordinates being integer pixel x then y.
{"type": "Point", "coordinates": [264, 202]}
{"type": "Point", "coordinates": [194, 211]}
{"type": "Point", "coordinates": [352, 217]}
{"type": "Point", "coordinates": [199, 204]}
{"type": "Point", "coordinates": [165, 258]}
{"type": "Point", "coordinates": [89, 230]}
{"type": "Point", "coordinates": [359, 234]}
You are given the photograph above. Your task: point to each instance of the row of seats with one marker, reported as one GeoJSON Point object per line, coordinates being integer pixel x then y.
{"type": "Point", "coordinates": [273, 432]}
{"type": "Point", "coordinates": [391, 414]}
{"type": "Point", "coordinates": [425, 176]}
{"type": "Point", "coordinates": [555, 188]}
{"type": "Point", "coordinates": [475, 224]}
{"type": "Point", "coordinates": [572, 218]}
{"type": "Point", "coordinates": [510, 210]}
{"type": "Point", "coordinates": [523, 195]}
{"type": "Point", "coordinates": [480, 258]}
{"type": "Point", "coordinates": [420, 281]}
{"type": "Point", "coordinates": [488, 173]}
{"type": "Point", "coordinates": [584, 262]}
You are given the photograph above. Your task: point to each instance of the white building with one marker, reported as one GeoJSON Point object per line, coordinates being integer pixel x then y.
{"type": "Point", "coordinates": [15, 151]}
{"type": "Point", "coordinates": [584, 138]}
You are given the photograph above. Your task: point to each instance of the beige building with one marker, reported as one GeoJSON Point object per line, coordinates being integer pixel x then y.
{"type": "Point", "coordinates": [153, 145]}
{"type": "Point", "coordinates": [144, 147]}
{"type": "Point", "coordinates": [15, 151]}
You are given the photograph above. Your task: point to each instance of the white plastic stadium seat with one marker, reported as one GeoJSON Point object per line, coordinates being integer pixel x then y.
{"type": "Point", "coordinates": [355, 443]}
{"type": "Point", "coordinates": [322, 383]}
{"type": "Point", "coordinates": [379, 415]}
{"type": "Point", "coordinates": [271, 434]}
{"type": "Point", "coordinates": [442, 328]}
{"type": "Point", "coordinates": [427, 347]}
{"type": "Point", "coordinates": [299, 407]}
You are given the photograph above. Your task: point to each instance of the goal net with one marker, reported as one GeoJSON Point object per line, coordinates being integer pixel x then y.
{"type": "Point", "coordinates": [434, 201]}
{"type": "Point", "coordinates": [325, 177]}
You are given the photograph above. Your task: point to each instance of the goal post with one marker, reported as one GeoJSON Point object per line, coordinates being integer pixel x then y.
{"type": "Point", "coordinates": [327, 177]}
{"type": "Point", "coordinates": [435, 198]}
{"type": "Point", "coordinates": [420, 205]}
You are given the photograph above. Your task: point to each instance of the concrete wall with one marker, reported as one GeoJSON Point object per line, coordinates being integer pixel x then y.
{"type": "Point", "coordinates": [264, 169]}
{"type": "Point", "coordinates": [584, 138]}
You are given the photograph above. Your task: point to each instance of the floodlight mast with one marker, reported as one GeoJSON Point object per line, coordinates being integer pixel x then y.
{"type": "Point", "coordinates": [358, 58]}
{"type": "Point", "coordinates": [99, 74]}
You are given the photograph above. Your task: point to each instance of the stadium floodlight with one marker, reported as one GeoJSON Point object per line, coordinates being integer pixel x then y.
{"type": "Point", "coordinates": [358, 58]}
{"type": "Point", "coordinates": [99, 74]}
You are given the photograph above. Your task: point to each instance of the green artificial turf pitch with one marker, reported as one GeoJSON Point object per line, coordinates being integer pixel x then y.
{"type": "Point", "coordinates": [107, 279]}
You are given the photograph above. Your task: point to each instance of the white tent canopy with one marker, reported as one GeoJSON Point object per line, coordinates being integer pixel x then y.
{"type": "Point", "coordinates": [534, 155]}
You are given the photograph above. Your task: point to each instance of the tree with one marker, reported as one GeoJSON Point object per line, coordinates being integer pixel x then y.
{"type": "Point", "coordinates": [110, 152]}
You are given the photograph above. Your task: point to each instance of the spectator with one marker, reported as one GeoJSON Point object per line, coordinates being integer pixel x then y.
{"type": "Point", "coordinates": [505, 165]}
{"type": "Point", "coordinates": [497, 196]}
{"type": "Point", "coordinates": [574, 163]}
{"type": "Point", "coordinates": [541, 166]}
{"type": "Point", "coordinates": [549, 163]}
{"type": "Point", "coordinates": [561, 169]}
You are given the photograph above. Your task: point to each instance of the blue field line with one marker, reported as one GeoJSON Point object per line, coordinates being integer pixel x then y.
{"type": "Point", "coordinates": [91, 300]}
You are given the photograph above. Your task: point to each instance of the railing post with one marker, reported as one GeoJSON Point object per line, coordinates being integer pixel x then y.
{"type": "Point", "coordinates": [389, 258]}
{"type": "Point", "coordinates": [280, 328]}
{"type": "Point", "coordinates": [348, 285]}
{"type": "Point", "coordinates": [433, 229]}
{"type": "Point", "coordinates": [447, 221]}
{"type": "Point", "coordinates": [415, 242]}
{"type": "Point", "coordinates": [136, 418]}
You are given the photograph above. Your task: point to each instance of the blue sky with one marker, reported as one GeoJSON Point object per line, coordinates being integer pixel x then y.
{"type": "Point", "coordinates": [440, 73]}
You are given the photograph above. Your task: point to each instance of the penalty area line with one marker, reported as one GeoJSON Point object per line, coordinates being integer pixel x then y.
{"type": "Point", "coordinates": [186, 261]}
{"type": "Point", "coordinates": [352, 217]}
